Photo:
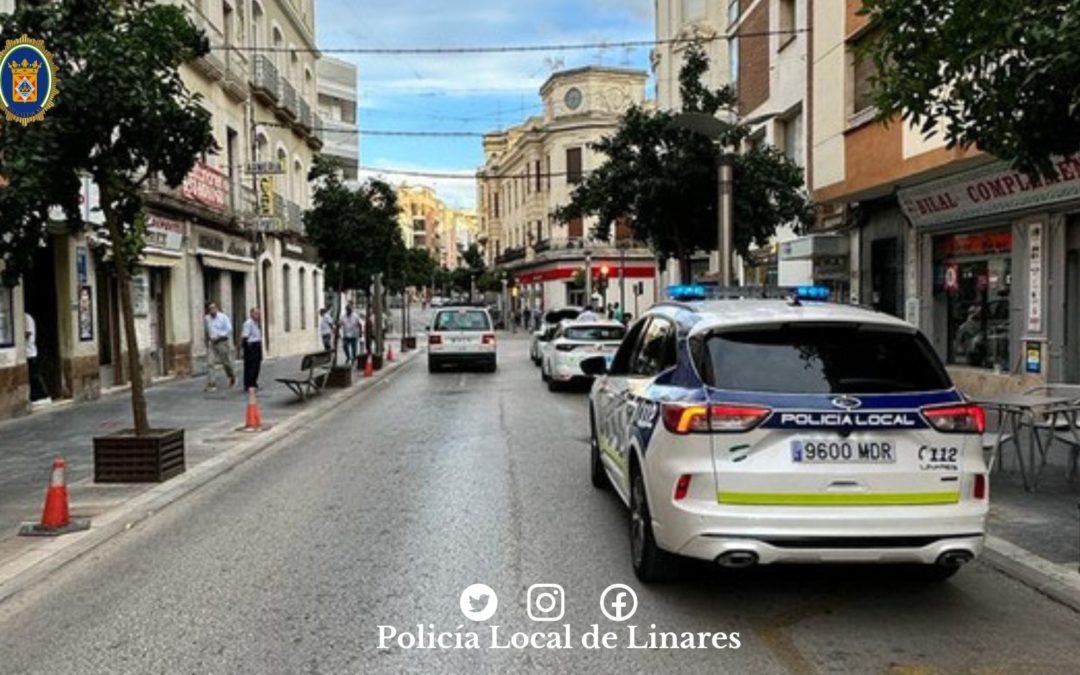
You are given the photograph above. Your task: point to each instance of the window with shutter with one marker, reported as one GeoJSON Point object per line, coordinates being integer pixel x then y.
{"type": "Point", "coordinates": [573, 165]}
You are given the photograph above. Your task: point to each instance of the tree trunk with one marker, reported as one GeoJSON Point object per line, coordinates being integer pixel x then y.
{"type": "Point", "coordinates": [367, 321]}
{"type": "Point", "coordinates": [120, 262]}
{"type": "Point", "coordinates": [686, 273]}
{"type": "Point", "coordinates": [337, 310]}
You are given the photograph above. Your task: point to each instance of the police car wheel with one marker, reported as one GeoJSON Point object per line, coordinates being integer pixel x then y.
{"type": "Point", "coordinates": [543, 374]}
{"type": "Point", "coordinates": [597, 473]}
{"type": "Point", "coordinates": [553, 385]}
{"type": "Point", "coordinates": [651, 564]}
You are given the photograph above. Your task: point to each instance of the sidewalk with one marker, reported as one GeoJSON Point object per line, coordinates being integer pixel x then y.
{"type": "Point", "coordinates": [1046, 522]}
{"type": "Point", "coordinates": [211, 423]}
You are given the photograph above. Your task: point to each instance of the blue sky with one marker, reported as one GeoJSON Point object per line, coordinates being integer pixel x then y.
{"type": "Point", "coordinates": [471, 92]}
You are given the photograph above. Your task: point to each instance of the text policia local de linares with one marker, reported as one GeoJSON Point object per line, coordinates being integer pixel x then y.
{"type": "Point", "coordinates": [561, 637]}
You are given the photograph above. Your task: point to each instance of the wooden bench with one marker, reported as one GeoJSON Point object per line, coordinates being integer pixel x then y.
{"type": "Point", "coordinates": [314, 369]}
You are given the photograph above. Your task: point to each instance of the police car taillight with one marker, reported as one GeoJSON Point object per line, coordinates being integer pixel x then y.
{"type": "Point", "coordinates": [488, 339]}
{"type": "Point", "coordinates": [958, 419]}
{"type": "Point", "coordinates": [691, 419]}
{"type": "Point", "coordinates": [434, 339]}
{"type": "Point", "coordinates": [565, 347]}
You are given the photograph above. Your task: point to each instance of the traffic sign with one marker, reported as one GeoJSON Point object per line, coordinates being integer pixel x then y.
{"type": "Point", "coordinates": [269, 168]}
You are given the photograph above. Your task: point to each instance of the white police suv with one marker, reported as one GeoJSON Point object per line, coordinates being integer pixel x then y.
{"type": "Point", "coordinates": [761, 431]}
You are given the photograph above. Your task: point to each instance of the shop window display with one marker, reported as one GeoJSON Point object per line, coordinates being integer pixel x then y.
{"type": "Point", "coordinates": [973, 277]}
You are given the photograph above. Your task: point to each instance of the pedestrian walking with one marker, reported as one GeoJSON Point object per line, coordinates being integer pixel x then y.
{"type": "Point", "coordinates": [218, 334]}
{"type": "Point", "coordinates": [326, 329]}
{"type": "Point", "coordinates": [617, 313]}
{"type": "Point", "coordinates": [38, 390]}
{"type": "Point", "coordinates": [352, 328]}
{"type": "Point", "coordinates": [251, 336]}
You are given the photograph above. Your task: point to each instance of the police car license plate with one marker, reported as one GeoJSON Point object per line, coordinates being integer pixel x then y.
{"type": "Point", "coordinates": [843, 452]}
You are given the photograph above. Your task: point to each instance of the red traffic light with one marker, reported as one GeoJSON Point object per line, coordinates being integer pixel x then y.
{"type": "Point", "coordinates": [604, 271]}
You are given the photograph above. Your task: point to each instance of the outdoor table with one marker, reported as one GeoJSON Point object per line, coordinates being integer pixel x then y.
{"type": "Point", "coordinates": [1019, 410]}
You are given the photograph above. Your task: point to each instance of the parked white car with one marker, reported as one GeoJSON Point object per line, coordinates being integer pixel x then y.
{"type": "Point", "coordinates": [546, 331]}
{"type": "Point", "coordinates": [462, 336]}
{"type": "Point", "coordinates": [573, 342]}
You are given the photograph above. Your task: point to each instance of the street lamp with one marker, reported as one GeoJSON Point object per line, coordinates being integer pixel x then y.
{"type": "Point", "coordinates": [714, 129]}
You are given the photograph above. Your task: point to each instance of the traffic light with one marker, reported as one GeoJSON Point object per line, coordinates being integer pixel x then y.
{"type": "Point", "coordinates": [603, 281]}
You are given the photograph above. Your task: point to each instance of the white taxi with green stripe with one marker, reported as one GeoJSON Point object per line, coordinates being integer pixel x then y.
{"type": "Point", "coordinates": [762, 431]}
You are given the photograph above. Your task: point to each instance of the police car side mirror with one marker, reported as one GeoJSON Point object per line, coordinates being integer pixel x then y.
{"type": "Point", "coordinates": [594, 366]}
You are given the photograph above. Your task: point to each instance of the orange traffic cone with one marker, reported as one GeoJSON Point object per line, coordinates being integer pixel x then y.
{"type": "Point", "coordinates": [253, 419]}
{"type": "Point", "coordinates": [56, 517]}
{"type": "Point", "coordinates": [369, 368]}
{"type": "Point", "coordinates": [389, 353]}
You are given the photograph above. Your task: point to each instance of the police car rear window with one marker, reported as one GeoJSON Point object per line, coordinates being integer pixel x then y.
{"type": "Point", "coordinates": [822, 359]}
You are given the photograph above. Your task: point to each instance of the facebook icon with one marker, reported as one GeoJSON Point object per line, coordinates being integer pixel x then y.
{"type": "Point", "coordinates": [618, 602]}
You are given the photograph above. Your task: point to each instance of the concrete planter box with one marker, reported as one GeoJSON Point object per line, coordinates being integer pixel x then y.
{"type": "Point", "coordinates": [341, 377]}
{"type": "Point", "coordinates": [124, 457]}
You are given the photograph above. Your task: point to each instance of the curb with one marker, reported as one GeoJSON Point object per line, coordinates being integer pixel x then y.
{"type": "Point", "coordinates": [1059, 582]}
{"type": "Point", "coordinates": [24, 570]}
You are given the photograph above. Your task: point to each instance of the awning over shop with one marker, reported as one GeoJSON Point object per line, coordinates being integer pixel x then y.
{"type": "Point", "coordinates": [154, 257]}
{"type": "Point", "coordinates": [224, 261]}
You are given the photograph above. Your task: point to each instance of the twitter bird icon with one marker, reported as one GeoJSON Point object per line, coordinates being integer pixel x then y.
{"type": "Point", "coordinates": [478, 602]}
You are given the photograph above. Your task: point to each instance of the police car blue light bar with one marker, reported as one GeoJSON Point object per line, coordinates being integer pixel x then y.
{"type": "Point", "coordinates": [706, 291]}
{"type": "Point", "coordinates": [687, 292]}
{"type": "Point", "coordinates": [812, 293]}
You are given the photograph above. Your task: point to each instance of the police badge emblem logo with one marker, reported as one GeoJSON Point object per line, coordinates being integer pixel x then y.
{"type": "Point", "coordinates": [27, 80]}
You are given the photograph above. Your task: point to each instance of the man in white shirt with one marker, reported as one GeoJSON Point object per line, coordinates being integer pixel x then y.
{"type": "Point", "coordinates": [326, 329]}
{"type": "Point", "coordinates": [351, 330]}
{"type": "Point", "coordinates": [588, 315]}
{"type": "Point", "coordinates": [251, 336]}
{"type": "Point", "coordinates": [38, 391]}
{"type": "Point", "coordinates": [218, 334]}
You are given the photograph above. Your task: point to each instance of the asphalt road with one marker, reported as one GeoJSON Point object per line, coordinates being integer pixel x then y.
{"type": "Point", "coordinates": [383, 512]}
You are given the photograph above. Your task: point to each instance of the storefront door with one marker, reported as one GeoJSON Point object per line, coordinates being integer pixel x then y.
{"type": "Point", "coordinates": [158, 333]}
{"type": "Point", "coordinates": [1072, 316]}
{"type": "Point", "coordinates": [238, 301]}
{"type": "Point", "coordinates": [886, 280]}
{"type": "Point", "coordinates": [108, 322]}
{"type": "Point", "coordinates": [40, 302]}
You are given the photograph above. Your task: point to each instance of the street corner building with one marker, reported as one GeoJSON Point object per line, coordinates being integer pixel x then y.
{"type": "Point", "coordinates": [208, 240]}
{"type": "Point", "coordinates": [532, 169]}
{"type": "Point", "coordinates": [983, 259]}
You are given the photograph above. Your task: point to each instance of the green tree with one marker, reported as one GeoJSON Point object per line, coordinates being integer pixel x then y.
{"type": "Point", "coordinates": [1000, 76]}
{"type": "Point", "coordinates": [473, 258]}
{"type": "Point", "coordinates": [355, 231]}
{"type": "Point", "coordinates": [664, 178]}
{"type": "Point", "coordinates": [123, 116]}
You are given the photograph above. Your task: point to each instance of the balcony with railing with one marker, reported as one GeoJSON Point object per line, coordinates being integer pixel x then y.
{"type": "Point", "coordinates": [264, 80]}
{"type": "Point", "coordinates": [340, 140]}
{"type": "Point", "coordinates": [511, 255]}
{"type": "Point", "coordinates": [305, 119]}
{"type": "Point", "coordinates": [211, 65]}
{"type": "Point", "coordinates": [235, 83]}
{"type": "Point", "coordinates": [288, 106]}
{"type": "Point", "coordinates": [294, 218]}
{"type": "Point", "coordinates": [317, 138]}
